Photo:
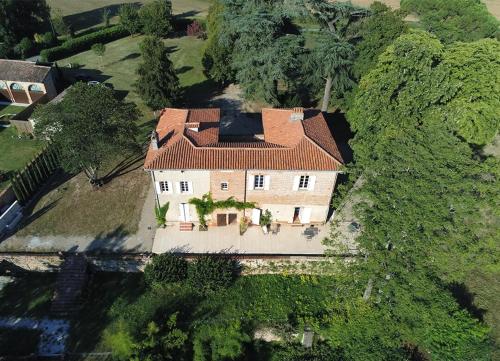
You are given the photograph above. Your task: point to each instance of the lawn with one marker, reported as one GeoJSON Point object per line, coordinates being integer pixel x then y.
{"type": "Point", "coordinates": [15, 152]}
{"type": "Point", "coordinates": [73, 208]}
{"type": "Point", "coordinates": [87, 14]}
{"type": "Point", "coordinates": [122, 57]}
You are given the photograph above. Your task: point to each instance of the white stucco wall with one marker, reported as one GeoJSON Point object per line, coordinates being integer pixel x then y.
{"type": "Point", "coordinates": [200, 184]}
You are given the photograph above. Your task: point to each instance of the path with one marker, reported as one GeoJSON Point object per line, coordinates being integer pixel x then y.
{"type": "Point", "coordinates": [54, 333]}
{"type": "Point", "coordinates": [71, 281]}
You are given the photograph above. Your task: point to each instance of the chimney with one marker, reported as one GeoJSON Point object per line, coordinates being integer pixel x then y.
{"type": "Point", "coordinates": [154, 139]}
{"type": "Point", "coordinates": [297, 114]}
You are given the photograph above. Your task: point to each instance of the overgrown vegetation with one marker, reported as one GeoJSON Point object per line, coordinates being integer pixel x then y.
{"type": "Point", "coordinates": [165, 268]}
{"type": "Point", "coordinates": [206, 206]}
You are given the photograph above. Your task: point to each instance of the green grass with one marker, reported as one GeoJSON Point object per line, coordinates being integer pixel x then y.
{"type": "Point", "coordinates": [11, 345]}
{"type": "Point", "coordinates": [14, 152]}
{"type": "Point", "coordinates": [29, 295]}
{"type": "Point", "coordinates": [122, 57]}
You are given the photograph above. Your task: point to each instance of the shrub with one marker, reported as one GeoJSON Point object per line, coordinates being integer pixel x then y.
{"type": "Point", "coordinates": [156, 18]}
{"type": "Point", "coordinates": [166, 268]}
{"type": "Point", "coordinates": [161, 214]}
{"type": "Point", "coordinates": [84, 42]}
{"type": "Point", "coordinates": [211, 273]}
{"type": "Point", "coordinates": [195, 29]}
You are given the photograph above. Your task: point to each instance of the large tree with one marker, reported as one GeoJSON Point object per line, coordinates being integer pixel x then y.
{"type": "Point", "coordinates": [156, 18]}
{"type": "Point", "coordinates": [425, 193]}
{"type": "Point", "coordinates": [157, 84]}
{"type": "Point", "coordinates": [333, 60]}
{"type": "Point", "coordinates": [454, 20]}
{"type": "Point", "coordinates": [20, 19]}
{"type": "Point", "coordinates": [377, 32]}
{"type": "Point", "coordinates": [89, 126]}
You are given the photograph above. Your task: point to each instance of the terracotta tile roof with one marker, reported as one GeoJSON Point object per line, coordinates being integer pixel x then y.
{"type": "Point", "coordinates": [24, 71]}
{"type": "Point", "coordinates": [296, 145]}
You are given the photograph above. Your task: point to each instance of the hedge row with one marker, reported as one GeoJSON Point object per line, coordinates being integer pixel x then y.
{"type": "Point", "coordinates": [82, 43]}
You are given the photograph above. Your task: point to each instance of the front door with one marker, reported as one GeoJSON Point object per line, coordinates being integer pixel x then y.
{"type": "Point", "coordinates": [296, 213]}
{"type": "Point", "coordinates": [221, 219]}
{"type": "Point", "coordinates": [184, 212]}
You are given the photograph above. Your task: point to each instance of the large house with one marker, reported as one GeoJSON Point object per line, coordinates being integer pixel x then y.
{"type": "Point", "coordinates": [290, 169]}
{"type": "Point", "coordinates": [25, 82]}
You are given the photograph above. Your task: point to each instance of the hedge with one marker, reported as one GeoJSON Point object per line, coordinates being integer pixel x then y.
{"type": "Point", "coordinates": [84, 42]}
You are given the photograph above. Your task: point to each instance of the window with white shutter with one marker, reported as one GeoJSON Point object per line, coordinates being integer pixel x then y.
{"type": "Point", "coordinates": [258, 181]}
{"type": "Point", "coordinates": [184, 186]}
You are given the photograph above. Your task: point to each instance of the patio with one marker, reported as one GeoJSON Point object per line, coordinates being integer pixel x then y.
{"type": "Point", "coordinates": [290, 240]}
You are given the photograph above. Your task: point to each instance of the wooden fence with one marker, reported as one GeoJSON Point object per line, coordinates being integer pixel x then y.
{"type": "Point", "coordinates": [26, 182]}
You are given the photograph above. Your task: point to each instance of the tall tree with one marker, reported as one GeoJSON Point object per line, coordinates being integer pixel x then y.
{"type": "Point", "coordinates": [377, 32]}
{"type": "Point", "coordinates": [20, 19]}
{"type": "Point", "coordinates": [454, 20]}
{"type": "Point", "coordinates": [424, 195]}
{"type": "Point", "coordinates": [333, 60]}
{"type": "Point", "coordinates": [341, 24]}
{"type": "Point", "coordinates": [89, 126]}
{"type": "Point", "coordinates": [156, 18]}
{"type": "Point", "coordinates": [157, 84]}
{"type": "Point", "coordinates": [129, 18]}
{"type": "Point", "coordinates": [217, 56]}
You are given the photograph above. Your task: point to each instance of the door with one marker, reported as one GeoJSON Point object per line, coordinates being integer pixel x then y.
{"type": "Point", "coordinates": [221, 219]}
{"type": "Point", "coordinates": [296, 214]}
{"type": "Point", "coordinates": [184, 212]}
{"type": "Point", "coordinates": [232, 218]}
{"type": "Point", "coordinates": [256, 216]}
{"type": "Point", "coordinates": [305, 215]}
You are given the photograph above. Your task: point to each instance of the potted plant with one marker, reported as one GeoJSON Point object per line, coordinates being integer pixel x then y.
{"type": "Point", "coordinates": [244, 221]}
{"type": "Point", "coordinates": [265, 220]}
{"type": "Point", "coordinates": [161, 215]}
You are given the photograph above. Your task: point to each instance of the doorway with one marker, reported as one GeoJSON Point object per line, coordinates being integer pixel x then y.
{"type": "Point", "coordinates": [296, 214]}
{"type": "Point", "coordinates": [184, 212]}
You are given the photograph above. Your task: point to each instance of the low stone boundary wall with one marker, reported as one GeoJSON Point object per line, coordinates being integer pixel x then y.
{"type": "Point", "coordinates": [51, 262]}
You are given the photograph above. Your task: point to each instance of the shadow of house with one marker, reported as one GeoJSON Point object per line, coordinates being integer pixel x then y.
{"type": "Point", "coordinates": [199, 95]}
{"type": "Point", "coordinates": [92, 17]}
{"type": "Point", "coordinates": [113, 241]}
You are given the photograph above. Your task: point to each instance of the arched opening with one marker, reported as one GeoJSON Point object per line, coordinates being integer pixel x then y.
{"type": "Point", "coordinates": [19, 95]}
{"type": "Point", "coordinates": [16, 86]}
{"type": "Point", "coordinates": [35, 88]}
{"type": "Point", "coordinates": [4, 92]}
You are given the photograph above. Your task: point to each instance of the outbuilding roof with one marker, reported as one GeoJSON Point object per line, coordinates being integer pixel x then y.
{"type": "Point", "coordinates": [189, 139]}
{"type": "Point", "coordinates": [22, 71]}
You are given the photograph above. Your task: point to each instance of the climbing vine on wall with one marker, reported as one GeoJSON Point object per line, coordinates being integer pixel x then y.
{"type": "Point", "coordinates": [206, 205]}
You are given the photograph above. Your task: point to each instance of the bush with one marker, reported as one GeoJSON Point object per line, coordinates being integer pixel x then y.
{"type": "Point", "coordinates": [211, 273]}
{"type": "Point", "coordinates": [195, 29]}
{"type": "Point", "coordinates": [156, 18]}
{"type": "Point", "coordinates": [166, 268]}
{"type": "Point", "coordinates": [84, 42]}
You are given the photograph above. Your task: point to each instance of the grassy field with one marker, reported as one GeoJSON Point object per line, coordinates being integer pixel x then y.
{"type": "Point", "coordinates": [87, 14]}
{"type": "Point", "coordinates": [15, 152]}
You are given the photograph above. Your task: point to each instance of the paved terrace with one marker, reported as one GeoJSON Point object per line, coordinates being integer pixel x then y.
{"type": "Point", "coordinates": [290, 240]}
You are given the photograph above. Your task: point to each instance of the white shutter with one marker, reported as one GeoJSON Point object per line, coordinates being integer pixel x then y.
{"type": "Point", "coordinates": [170, 187]}
{"type": "Point", "coordinates": [178, 187]}
{"type": "Point", "coordinates": [312, 182]}
{"type": "Point", "coordinates": [187, 214]}
{"type": "Point", "coordinates": [296, 181]}
{"type": "Point", "coordinates": [305, 215]}
{"type": "Point", "coordinates": [250, 182]}
{"type": "Point", "coordinates": [190, 187]}
{"type": "Point", "coordinates": [182, 215]}
{"type": "Point", "coordinates": [158, 189]}
{"type": "Point", "coordinates": [267, 181]}
{"type": "Point", "coordinates": [256, 216]}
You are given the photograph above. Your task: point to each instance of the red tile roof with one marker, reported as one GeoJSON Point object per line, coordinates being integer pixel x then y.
{"type": "Point", "coordinates": [288, 145]}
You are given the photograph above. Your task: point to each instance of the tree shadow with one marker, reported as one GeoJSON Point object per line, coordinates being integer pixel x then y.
{"type": "Point", "coordinates": [466, 299]}
{"type": "Point", "coordinates": [56, 180]}
{"type": "Point", "coordinates": [130, 56]}
{"type": "Point", "coordinates": [183, 69]}
{"type": "Point", "coordinates": [128, 164]}
{"type": "Point", "coordinates": [200, 94]}
{"type": "Point", "coordinates": [90, 18]}
{"type": "Point", "coordinates": [112, 241]}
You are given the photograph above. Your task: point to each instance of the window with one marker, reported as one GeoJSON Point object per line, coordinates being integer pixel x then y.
{"type": "Point", "coordinates": [3, 85]}
{"type": "Point", "coordinates": [224, 186]}
{"type": "Point", "coordinates": [184, 187]}
{"type": "Point", "coordinates": [304, 182]}
{"type": "Point", "coordinates": [164, 186]}
{"type": "Point", "coordinates": [258, 182]}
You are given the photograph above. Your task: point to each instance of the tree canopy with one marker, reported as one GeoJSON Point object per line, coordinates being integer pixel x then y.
{"type": "Point", "coordinates": [454, 20]}
{"type": "Point", "coordinates": [157, 84]}
{"type": "Point", "coordinates": [20, 19]}
{"type": "Point", "coordinates": [156, 18]}
{"type": "Point", "coordinates": [90, 127]}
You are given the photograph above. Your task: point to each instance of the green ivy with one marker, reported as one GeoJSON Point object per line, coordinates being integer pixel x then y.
{"type": "Point", "coordinates": [206, 205]}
